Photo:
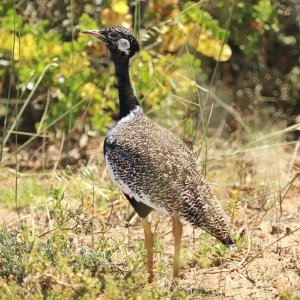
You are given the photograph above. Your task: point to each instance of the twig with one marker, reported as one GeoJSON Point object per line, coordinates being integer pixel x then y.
{"type": "Point", "coordinates": [279, 132]}
{"type": "Point", "coordinates": [288, 188]}
{"type": "Point", "coordinates": [64, 284]}
{"type": "Point", "coordinates": [239, 265]}
{"type": "Point", "coordinates": [106, 229]}
{"type": "Point", "coordinates": [270, 245]}
{"type": "Point", "coordinates": [60, 151]}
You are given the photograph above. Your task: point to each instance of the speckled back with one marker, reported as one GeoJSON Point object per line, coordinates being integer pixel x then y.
{"type": "Point", "coordinates": [152, 165]}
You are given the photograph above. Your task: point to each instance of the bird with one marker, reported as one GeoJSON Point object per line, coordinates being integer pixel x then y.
{"type": "Point", "coordinates": [153, 167]}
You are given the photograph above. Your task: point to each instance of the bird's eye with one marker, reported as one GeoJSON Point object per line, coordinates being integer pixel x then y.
{"type": "Point", "coordinates": [113, 35]}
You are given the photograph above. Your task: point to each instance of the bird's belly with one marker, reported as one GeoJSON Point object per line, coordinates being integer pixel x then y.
{"type": "Point", "coordinates": [131, 190]}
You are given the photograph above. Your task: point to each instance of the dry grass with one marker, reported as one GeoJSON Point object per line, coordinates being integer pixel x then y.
{"type": "Point", "coordinates": [259, 189]}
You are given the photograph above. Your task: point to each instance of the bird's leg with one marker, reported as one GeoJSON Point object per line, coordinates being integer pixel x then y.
{"type": "Point", "coordinates": [149, 247]}
{"type": "Point", "coordinates": [177, 233]}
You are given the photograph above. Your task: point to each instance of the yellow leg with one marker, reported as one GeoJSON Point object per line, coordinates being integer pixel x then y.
{"type": "Point", "coordinates": [177, 233]}
{"type": "Point", "coordinates": [149, 247]}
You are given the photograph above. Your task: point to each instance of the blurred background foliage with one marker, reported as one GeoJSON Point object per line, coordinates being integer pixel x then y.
{"type": "Point", "coordinates": [55, 80]}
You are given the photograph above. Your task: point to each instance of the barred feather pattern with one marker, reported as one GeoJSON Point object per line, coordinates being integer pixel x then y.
{"type": "Point", "coordinates": [152, 165]}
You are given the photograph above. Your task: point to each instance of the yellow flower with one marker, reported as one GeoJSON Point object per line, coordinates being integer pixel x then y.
{"type": "Point", "coordinates": [28, 47]}
{"type": "Point", "coordinates": [52, 49]}
{"type": "Point", "coordinates": [117, 15]}
{"type": "Point", "coordinates": [26, 42]}
{"type": "Point", "coordinates": [6, 40]}
{"type": "Point", "coordinates": [88, 90]}
{"type": "Point", "coordinates": [120, 7]}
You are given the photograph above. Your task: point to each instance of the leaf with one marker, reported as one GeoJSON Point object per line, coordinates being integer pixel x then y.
{"type": "Point", "coordinates": [120, 7]}
{"type": "Point", "coordinates": [196, 37]}
{"type": "Point", "coordinates": [86, 22]}
{"type": "Point", "coordinates": [206, 44]}
{"type": "Point", "coordinates": [110, 17]}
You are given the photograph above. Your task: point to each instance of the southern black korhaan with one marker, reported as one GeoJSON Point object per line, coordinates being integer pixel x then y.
{"type": "Point", "coordinates": [152, 166]}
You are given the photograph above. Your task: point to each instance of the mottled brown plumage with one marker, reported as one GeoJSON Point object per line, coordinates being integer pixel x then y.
{"type": "Point", "coordinates": [151, 165]}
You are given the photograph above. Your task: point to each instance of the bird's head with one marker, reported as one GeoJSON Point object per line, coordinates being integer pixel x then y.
{"type": "Point", "coordinates": [120, 41]}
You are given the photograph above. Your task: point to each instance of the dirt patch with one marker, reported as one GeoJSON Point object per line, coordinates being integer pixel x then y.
{"type": "Point", "coordinates": [8, 218]}
{"type": "Point", "coordinates": [266, 266]}
{"type": "Point", "coordinates": [273, 274]}
{"type": "Point", "coordinates": [266, 270]}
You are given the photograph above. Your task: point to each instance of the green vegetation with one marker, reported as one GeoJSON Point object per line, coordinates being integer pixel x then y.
{"type": "Point", "coordinates": [75, 81]}
{"type": "Point", "coordinates": [68, 249]}
{"type": "Point", "coordinates": [224, 75]}
{"type": "Point", "coordinates": [30, 191]}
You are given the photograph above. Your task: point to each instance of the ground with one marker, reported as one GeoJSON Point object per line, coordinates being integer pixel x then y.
{"type": "Point", "coordinates": [260, 197]}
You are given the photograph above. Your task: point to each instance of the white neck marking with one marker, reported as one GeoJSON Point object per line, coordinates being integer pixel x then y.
{"type": "Point", "coordinates": [132, 115]}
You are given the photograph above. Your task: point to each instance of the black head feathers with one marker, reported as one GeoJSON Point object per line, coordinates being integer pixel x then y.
{"type": "Point", "coordinates": [120, 41]}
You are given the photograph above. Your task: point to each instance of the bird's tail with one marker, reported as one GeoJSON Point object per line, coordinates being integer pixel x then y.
{"type": "Point", "coordinates": [229, 243]}
{"type": "Point", "coordinates": [209, 216]}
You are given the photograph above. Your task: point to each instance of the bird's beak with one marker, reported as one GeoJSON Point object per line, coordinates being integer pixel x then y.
{"type": "Point", "coordinates": [96, 33]}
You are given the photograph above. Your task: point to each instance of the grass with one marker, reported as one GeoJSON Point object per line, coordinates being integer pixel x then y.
{"type": "Point", "coordinates": [65, 247]}
{"type": "Point", "coordinates": [73, 241]}
{"type": "Point", "coordinates": [30, 191]}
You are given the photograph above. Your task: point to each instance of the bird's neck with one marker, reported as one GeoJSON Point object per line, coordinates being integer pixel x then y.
{"type": "Point", "coordinates": [127, 99]}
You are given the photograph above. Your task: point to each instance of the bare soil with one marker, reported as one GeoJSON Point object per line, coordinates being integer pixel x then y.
{"type": "Point", "coordinates": [266, 266]}
{"type": "Point", "coordinates": [269, 268]}
{"type": "Point", "coordinates": [265, 270]}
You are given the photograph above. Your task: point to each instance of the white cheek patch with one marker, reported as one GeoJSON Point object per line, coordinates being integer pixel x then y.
{"type": "Point", "coordinates": [124, 45]}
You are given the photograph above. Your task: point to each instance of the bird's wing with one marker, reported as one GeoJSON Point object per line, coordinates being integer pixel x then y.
{"type": "Point", "coordinates": [149, 164]}
{"type": "Point", "coordinates": [153, 166]}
